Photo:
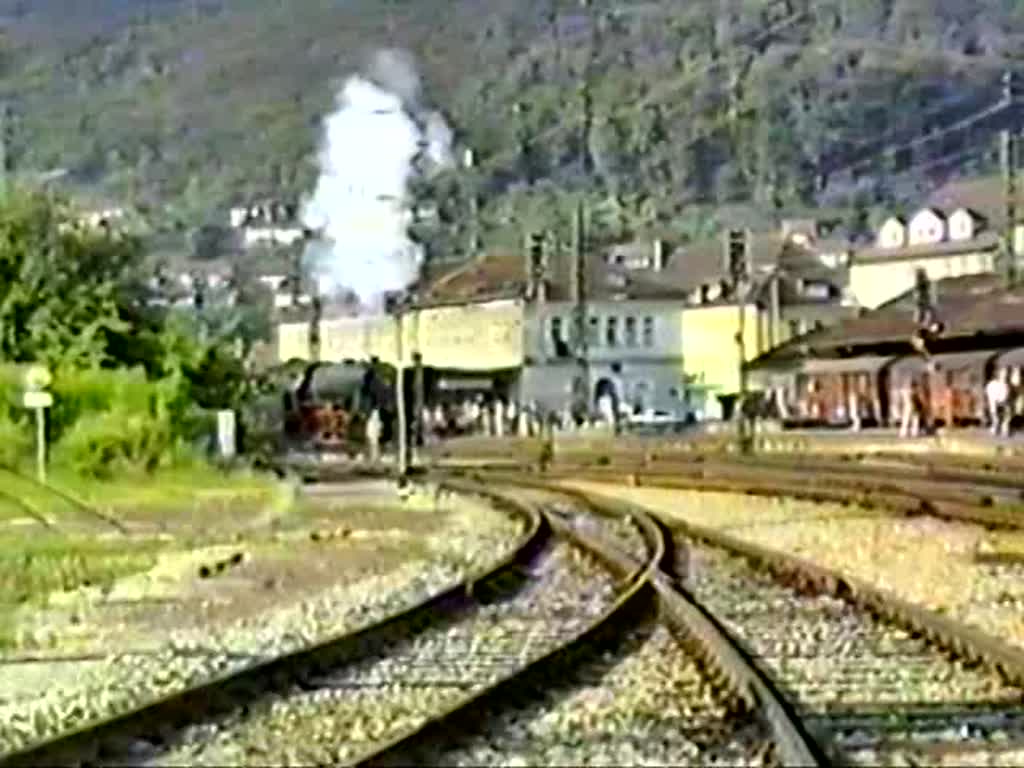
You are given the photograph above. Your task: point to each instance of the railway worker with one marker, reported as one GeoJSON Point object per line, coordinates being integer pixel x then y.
{"type": "Point", "coordinates": [854, 398]}
{"type": "Point", "coordinates": [499, 417]}
{"type": "Point", "coordinates": [373, 429]}
{"type": "Point", "coordinates": [441, 425]}
{"type": "Point", "coordinates": [997, 394]}
{"type": "Point", "coordinates": [910, 414]}
{"type": "Point", "coordinates": [1015, 404]}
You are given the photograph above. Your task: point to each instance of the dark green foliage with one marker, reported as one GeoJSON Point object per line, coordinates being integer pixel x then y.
{"type": "Point", "coordinates": [60, 287]}
{"type": "Point", "coordinates": [133, 386]}
{"type": "Point", "coordinates": [694, 103]}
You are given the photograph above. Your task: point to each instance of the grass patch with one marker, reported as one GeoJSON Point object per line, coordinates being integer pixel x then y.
{"type": "Point", "coordinates": [33, 567]}
{"type": "Point", "coordinates": [172, 492]}
{"type": "Point", "coordinates": [35, 561]}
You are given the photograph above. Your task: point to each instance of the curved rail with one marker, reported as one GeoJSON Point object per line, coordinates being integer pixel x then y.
{"type": "Point", "coordinates": [107, 738]}
{"type": "Point", "coordinates": [74, 501]}
{"type": "Point", "coordinates": [637, 579]}
{"type": "Point", "coordinates": [719, 649]}
{"type": "Point", "coordinates": [962, 641]}
{"type": "Point", "coordinates": [944, 495]}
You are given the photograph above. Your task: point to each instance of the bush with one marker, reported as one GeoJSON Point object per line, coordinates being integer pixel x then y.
{"type": "Point", "coordinates": [79, 393]}
{"type": "Point", "coordinates": [98, 444]}
{"type": "Point", "coordinates": [16, 442]}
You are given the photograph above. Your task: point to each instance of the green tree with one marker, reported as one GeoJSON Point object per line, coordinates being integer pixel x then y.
{"type": "Point", "coordinates": [61, 284]}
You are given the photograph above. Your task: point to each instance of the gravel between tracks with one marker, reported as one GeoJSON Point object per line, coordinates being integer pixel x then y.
{"type": "Point", "coordinates": [882, 697]}
{"type": "Point", "coordinates": [645, 702]}
{"type": "Point", "coordinates": [926, 561]}
{"type": "Point", "coordinates": [338, 717]}
{"type": "Point", "coordinates": [476, 536]}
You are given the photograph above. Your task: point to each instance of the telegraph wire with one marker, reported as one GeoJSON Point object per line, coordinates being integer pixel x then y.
{"type": "Point", "coordinates": [961, 125]}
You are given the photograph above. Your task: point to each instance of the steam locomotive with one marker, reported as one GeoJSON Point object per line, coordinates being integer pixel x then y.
{"type": "Point", "coordinates": [327, 407]}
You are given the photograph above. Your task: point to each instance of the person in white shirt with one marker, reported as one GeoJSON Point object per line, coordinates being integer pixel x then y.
{"type": "Point", "coordinates": [997, 393]}
{"type": "Point", "coordinates": [373, 431]}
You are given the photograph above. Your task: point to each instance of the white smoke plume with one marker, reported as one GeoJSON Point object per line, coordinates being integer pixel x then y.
{"type": "Point", "coordinates": [374, 143]}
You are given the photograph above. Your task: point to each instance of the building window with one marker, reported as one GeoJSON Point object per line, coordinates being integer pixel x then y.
{"type": "Point", "coordinates": [648, 332]}
{"type": "Point", "coordinates": [630, 331]}
{"type": "Point", "coordinates": [611, 331]}
{"type": "Point", "coordinates": [594, 331]}
{"type": "Point", "coordinates": [559, 343]}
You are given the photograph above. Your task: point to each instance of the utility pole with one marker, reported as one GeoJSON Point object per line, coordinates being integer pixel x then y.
{"type": "Point", "coordinates": [737, 251]}
{"type": "Point", "coordinates": [315, 316]}
{"type": "Point", "coordinates": [579, 286]}
{"type": "Point", "coordinates": [1009, 141]}
{"type": "Point", "coordinates": [469, 161]}
{"type": "Point", "coordinates": [580, 223]}
{"type": "Point", "coordinates": [403, 453]}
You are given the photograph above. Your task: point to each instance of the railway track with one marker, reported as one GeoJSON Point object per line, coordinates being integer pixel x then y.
{"type": "Point", "coordinates": [720, 709]}
{"type": "Point", "coordinates": [993, 498]}
{"type": "Point", "coordinates": [875, 681]}
{"type": "Point", "coordinates": [766, 658]}
{"type": "Point", "coordinates": [155, 724]}
{"type": "Point", "coordinates": [420, 676]}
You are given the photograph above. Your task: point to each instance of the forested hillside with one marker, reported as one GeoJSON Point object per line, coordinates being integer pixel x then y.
{"type": "Point", "coordinates": [198, 103]}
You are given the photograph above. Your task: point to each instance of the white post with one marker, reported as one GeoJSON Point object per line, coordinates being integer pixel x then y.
{"type": "Point", "coordinates": [226, 431]}
{"type": "Point", "coordinates": [37, 379]}
{"type": "Point", "coordinates": [41, 444]}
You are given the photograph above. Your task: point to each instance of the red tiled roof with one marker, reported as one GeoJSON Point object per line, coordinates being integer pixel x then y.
{"type": "Point", "coordinates": [967, 306]}
{"type": "Point", "coordinates": [686, 267]}
{"type": "Point", "coordinates": [479, 279]}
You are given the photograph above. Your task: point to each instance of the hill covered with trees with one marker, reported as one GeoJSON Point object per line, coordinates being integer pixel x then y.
{"type": "Point", "coordinates": [188, 106]}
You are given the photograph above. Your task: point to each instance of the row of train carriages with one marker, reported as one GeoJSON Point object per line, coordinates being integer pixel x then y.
{"type": "Point", "coordinates": [868, 360]}
{"type": "Point", "coordinates": [952, 387]}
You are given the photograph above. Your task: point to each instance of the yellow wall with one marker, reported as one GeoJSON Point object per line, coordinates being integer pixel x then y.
{"type": "Point", "coordinates": [292, 341]}
{"type": "Point", "coordinates": [476, 337]}
{"type": "Point", "coordinates": [710, 354]}
{"type": "Point", "coordinates": [358, 338]}
{"type": "Point", "coordinates": [873, 284]}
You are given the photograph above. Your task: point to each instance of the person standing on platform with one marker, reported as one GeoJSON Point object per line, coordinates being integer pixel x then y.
{"type": "Point", "coordinates": [996, 394]}
{"type": "Point", "coordinates": [910, 420]}
{"type": "Point", "coordinates": [373, 429]}
{"type": "Point", "coordinates": [499, 417]}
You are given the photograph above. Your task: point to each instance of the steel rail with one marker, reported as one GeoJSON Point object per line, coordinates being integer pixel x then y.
{"type": "Point", "coordinates": [635, 576]}
{"type": "Point", "coordinates": [71, 499]}
{"type": "Point", "coordinates": [106, 739]}
{"type": "Point", "coordinates": [711, 639]}
{"type": "Point", "coordinates": [909, 497]}
{"type": "Point", "coordinates": [960, 640]}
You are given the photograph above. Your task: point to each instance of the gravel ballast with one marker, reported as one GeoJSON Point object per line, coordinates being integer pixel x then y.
{"type": "Point", "coordinates": [645, 703]}
{"type": "Point", "coordinates": [940, 565]}
{"type": "Point", "coordinates": [878, 694]}
{"type": "Point", "coordinates": [473, 536]}
{"type": "Point", "coordinates": [340, 716]}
